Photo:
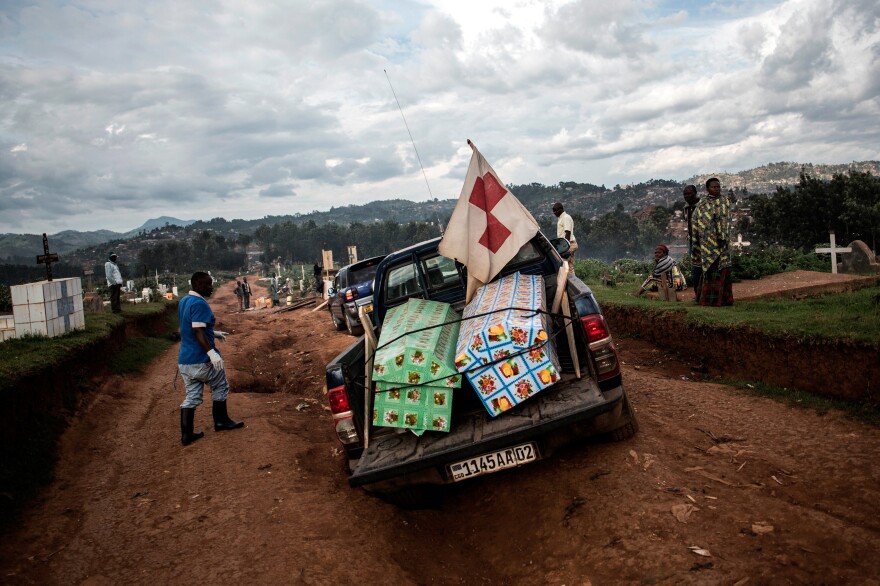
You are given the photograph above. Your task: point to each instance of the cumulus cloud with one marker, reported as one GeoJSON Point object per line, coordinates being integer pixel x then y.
{"type": "Point", "coordinates": [112, 114]}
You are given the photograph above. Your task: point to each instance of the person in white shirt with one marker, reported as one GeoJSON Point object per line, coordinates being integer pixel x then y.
{"type": "Point", "coordinates": [565, 229]}
{"type": "Point", "coordinates": [114, 282]}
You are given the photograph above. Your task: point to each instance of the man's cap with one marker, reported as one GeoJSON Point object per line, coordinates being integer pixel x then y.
{"type": "Point", "coordinates": [112, 254]}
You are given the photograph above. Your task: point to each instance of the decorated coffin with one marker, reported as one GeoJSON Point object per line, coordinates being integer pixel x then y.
{"type": "Point", "coordinates": [418, 408]}
{"type": "Point", "coordinates": [510, 341]}
{"type": "Point", "coordinates": [414, 370]}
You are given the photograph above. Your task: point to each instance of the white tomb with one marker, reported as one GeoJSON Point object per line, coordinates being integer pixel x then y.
{"type": "Point", "coordinates": [48, 308]}
{"type": "Point", "coordinates": [7, 327]}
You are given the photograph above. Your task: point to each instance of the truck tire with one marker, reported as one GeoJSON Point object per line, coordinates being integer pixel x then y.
{"type": "Point", "coordinates": [631, 425]}
{"type": "Point", "coordinates": [354, 329]}
{"type": "Point", "coordinates": [336, 323]}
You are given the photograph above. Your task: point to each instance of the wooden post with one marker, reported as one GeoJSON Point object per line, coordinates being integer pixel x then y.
{"type": "Point", "coordinates": [370, 345]}
{"type": "Point", "coordinates": [47, 258]}
{"type": "Point", "coordinates": [666, 292]}
{"type": "Point", "coordinates": [569, 332]}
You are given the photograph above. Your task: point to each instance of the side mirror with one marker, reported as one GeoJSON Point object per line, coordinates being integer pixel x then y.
{"type": "Point", "coordinates": [561, 245]}
{"type": "Point", "coordinates": [331, 291]}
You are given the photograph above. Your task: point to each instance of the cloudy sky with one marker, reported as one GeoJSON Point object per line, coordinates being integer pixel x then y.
{"type": "Point", "coordinates": [114, 112]}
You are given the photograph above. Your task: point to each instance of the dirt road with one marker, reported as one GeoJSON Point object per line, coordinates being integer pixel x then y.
{"type": "Point", "coordinates": [768, 494]}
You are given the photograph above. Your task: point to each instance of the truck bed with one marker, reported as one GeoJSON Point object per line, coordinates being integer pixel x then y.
{"type": "Point", "coordinates": [475, 432]}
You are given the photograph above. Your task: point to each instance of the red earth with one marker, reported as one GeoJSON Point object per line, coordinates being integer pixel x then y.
{"type": "Point", "coordinates": [718, 487]}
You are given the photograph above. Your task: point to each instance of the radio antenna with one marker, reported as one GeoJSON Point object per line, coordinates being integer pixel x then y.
{"type": "Point", "coordinates": [425, 175]}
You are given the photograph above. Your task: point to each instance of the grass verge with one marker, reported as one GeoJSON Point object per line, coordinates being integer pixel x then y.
{"type": "Point", "coordinates": [138, 354]}
{"type": "Point", "coordinates": [864, 412]}
{"type": "Point", "coordinates": [22, 356]}
{"type": "Point", "coordinates": [849, 317]}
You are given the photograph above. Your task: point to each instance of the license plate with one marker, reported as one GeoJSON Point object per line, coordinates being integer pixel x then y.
{"type": "Point", "coordinates": [494, 461]}
{"type": "Point", "coordinates": [368, 308]}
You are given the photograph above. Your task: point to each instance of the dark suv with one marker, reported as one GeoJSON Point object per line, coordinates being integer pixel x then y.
{"type": "Point", "coordinates": [352, 287]}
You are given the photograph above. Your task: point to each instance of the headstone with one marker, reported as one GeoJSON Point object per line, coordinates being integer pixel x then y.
{"type": "Point", "coordinates": [48, 308]}
{"type": "Point", "coordinates": [88, 273]}
{"type": "Point", "coordinates": [7, 327]}
{"type": "Point", "coordinates": [834, 251]}
{"type": "Point", "coordinates": [739, 243]}
{"type": "Point", "coordinates": [129, 285]}
{"type": "Point", "coordinates": [93, 303]}
{"type": "Point", "coordinates": [665, 292]}
{"type": "Point", "coordinates": [174, 291]}
{"type": "Point", "coordinates": [145, 294]}
{"type": "Point", "coordinates": [47, 258]}
{"type": "Point", "coordinates": [352, 254]}
{"type": "Point", "coordinates": [860, 260]}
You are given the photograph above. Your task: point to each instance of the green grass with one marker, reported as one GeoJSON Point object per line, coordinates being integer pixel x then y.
{"type": "Point", "coordinates": [138, 354]}
{"type": "Point", "coordinates": [849, 317]}
{"type": "Point", "coordinates": [22, 356]}
{"type": "Point", "coordinates": [864, 412]}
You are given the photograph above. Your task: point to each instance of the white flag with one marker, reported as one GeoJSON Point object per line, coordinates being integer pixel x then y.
{"type": "Point", "coordinates": [488, 225]}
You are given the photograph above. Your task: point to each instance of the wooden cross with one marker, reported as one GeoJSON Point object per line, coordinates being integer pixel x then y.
{"type": "Point", "coordinates": [739, 242]}
{"type": "Point", "coordinates": [47, 258]}
{"type": "Point", "coordinates": [88, 274]}
{"type": "Point", "coordinates": [833, 250]}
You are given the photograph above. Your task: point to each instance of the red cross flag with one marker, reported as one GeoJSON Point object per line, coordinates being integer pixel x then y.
{"type": "Point", "coordinates": [488, 225]}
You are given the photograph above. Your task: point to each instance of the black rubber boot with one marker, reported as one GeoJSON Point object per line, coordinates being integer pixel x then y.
{"type": "Point", "coordinates": [222, 422]}
{"type": "Point", "coordinates": [187, 417]}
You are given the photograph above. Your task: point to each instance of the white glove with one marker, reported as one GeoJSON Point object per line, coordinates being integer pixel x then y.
{"type": "Point", "coordinates": [216, 360]}
{"type": "Point", "coordinates": [220, 335]}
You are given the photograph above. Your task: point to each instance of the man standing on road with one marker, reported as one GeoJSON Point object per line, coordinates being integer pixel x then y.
{"type": "Point", "coordinates": [691, 200]}
{"type": "Point", "coordinates": [273, 290]}
{"type": "Point", "coordinates": [246, 291]}
{"type": "Point", "coordinates": [240, 294]}
{"type": "Point", "coordinates": [565, 229]}
{"type": "Point", "coordinates": [319, 282]}
{"type": "Point", "coordinates": [199, 362]}
{"type": "Point", "coordinates": [114, 281]}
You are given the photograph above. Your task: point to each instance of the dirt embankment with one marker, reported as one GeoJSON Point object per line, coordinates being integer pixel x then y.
{"type": "Point", "coordinates": [848, 371]}
{"type": "Point", "coordinates": [36, 409]}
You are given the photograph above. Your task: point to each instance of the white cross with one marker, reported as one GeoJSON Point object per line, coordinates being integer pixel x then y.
{"type": "Point", "coordinates": [833, 250]}
{"type": "Point", "coordinates": [739, 242]}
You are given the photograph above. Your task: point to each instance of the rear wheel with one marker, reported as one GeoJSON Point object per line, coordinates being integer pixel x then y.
{"type": "Point", "coordinates": [630, 425]}
{"type": "Point", "coordinates": [338, 324]}
{"type": "Point", "coordinates": [354, 329]}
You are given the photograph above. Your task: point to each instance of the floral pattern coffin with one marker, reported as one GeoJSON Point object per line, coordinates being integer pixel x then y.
{"type": "Point", "coordinates": [506, 353]}
{"type": "Point", "coordinates": [414, 369]}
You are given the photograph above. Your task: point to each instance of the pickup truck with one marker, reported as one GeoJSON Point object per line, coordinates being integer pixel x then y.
{"type": "Point", "coordinates": [406, 469]}
{"type": "Point", "coordinates": [352, 288]}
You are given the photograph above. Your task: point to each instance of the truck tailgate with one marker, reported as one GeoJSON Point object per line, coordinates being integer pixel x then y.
{"type": "Point", "coordinates": [564, 404]}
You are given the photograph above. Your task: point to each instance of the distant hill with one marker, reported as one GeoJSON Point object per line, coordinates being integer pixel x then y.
{"type": "Point", "coordinates": [585, 199]}
{"type": "Point", "coordinates": [28, 246]}
{"type": "Point", "coordinates": [159, 222]}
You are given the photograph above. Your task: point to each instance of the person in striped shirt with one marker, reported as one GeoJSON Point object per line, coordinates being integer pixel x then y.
{"type": "Point", "coordinates": [663, 263]}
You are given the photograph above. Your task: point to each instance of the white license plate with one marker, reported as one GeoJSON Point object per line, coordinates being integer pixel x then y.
{"type": "Point", "coordinates": [494, 461]}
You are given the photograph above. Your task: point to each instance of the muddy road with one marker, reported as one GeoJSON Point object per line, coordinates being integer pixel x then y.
{"type": "Point", "coordinates": [717, 488]}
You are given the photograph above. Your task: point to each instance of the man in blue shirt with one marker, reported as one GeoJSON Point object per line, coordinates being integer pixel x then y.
{"type": "Point", "coordinates": [199, 362]}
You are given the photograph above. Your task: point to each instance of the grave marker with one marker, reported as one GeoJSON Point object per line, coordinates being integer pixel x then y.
{"type": "Point", "coordinates": [739, 242]}
{"type": "Point", "coordinates": [833, 250]}
{"type": "Point", "coordinates": [47, 258]}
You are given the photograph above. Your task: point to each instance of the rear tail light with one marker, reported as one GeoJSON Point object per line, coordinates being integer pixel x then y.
{"type": "Point", "coordinates": [338, 400]}
{"type": "Point", "coordinates": [605, 359]}
{"type": "Point", "coordinates": [595, 328]}
{"type": "Point", "coordinates": [345, 428]}
{"type": "Point", "coordinates": [346, 431]}
{"type": "Point", "coordinates": [601, 346]}
{"type": "Point", "coordinates": [351, 294]}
